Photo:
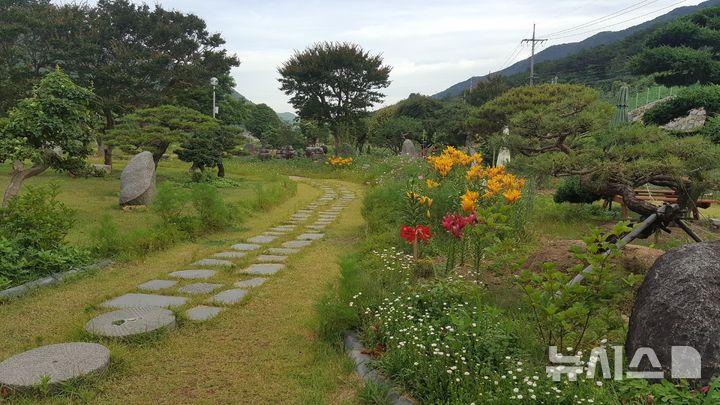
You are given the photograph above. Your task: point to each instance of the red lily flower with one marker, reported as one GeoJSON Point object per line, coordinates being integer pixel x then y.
{"type": "Point", "coordinates": [423, 232]}
{"type": "Point", "coordinates": [410, 234]}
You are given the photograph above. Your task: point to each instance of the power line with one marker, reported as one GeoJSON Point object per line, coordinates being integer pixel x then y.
{"type": "Point", "coordinates": [533, 41]}
{"type": "Point", "coordinates": [596, 30]}
{"type": "Point", "coordinates": [598, 20]}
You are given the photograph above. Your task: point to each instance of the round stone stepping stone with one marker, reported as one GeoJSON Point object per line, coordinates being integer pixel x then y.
{"type": "Point", "coordinates": [253, 282]}
{"type": "Point", "coordinates": [133, 300]}
{"type": "Point", "coordinates": [199, 288]}
{"type": "Point", "coordinates": [154, 285]}
{"type": "Point", "coordinates": [228, 297]}
{"type": "Point", "coordinates": [294, 244]}
{"type": "Point", "coordinates": [262, 239]}
{"type": "Point", "coordinates": [271, 258]}
{"type": "Point", "coordinates": [130, 322]}
{"type": "Point", "coordinates": [59, 363]}
{"type": "Point", "coordinates": [213, 262]}
{"type": "Point", "coordinates": [230, 255]}
{"type": "Point", "coordinates": [245, 246]}
{"type": "Point", "coordinates": [202, 313]}
{"type": "Point", "coordinates": [282, 251]}
{"type": "Point", "coordinates": [264, 269]}
{"type": "Point", "coordinates": [193, 274]}
{"type": "Point", "coordinates": [311, 236]}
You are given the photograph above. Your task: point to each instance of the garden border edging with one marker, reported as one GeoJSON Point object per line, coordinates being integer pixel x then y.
{"type": "Point", "coordinates": [52, 279]}
{"type": "Point", "coordinates": [354, 349]}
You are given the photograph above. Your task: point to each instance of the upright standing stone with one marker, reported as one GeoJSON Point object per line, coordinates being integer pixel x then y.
{"type": "Point", "coordinates": [408, 148]}
{"type": "Point", "coordinates": [137, 181]}
{"type": "Point", "coordinates": [677, 305]}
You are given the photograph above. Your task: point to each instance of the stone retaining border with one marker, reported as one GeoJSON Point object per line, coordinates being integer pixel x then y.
{"type": "Point", "coordinates": [354, 349]}
{"type": "Point", "coordinates": [53, 279]}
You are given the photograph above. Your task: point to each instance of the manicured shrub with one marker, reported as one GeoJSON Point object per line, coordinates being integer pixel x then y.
{"type": "Point", "coordinates": [686, 100]}
{"type": "Point", "coordinates": [571, 190]}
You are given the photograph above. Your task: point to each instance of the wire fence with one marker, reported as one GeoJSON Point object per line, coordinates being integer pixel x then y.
{"type": "Point", "coordinates": [641, 96]}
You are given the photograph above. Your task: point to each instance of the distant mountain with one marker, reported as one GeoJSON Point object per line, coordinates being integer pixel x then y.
{"type": "Point", "coordinates": [237, 96]}
{"type": "Point", "coordinates": [557, 52]}
{"type": "Point", "coordinates": [287, 117]}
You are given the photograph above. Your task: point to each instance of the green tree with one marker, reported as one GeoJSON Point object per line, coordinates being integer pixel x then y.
{"type": "Point", "coordinates": [155, 129]}
{"type": "Point", "coordinates": [334, 83]}
{"type": "Point", "coordinates": [486, 90]}
{"type": "Point", "coordinates": [683, 52]}
{"type": "Point", "coordinates": [286, 134]}
{"type": "Point", "coordinates": [563, 130]}
{"type": "Point", "coordinates": [207, 147]}
{"type": "Point", "coordinates": [390, 132]}
{"type": "Point", "coordinates": [262, 121]}
{"type": "Point", "coordinates": [52, 128]}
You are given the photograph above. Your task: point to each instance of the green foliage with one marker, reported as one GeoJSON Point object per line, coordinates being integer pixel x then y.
{"type": "Point", "coordinates": [155, 129]}
{"type": "Point", "coordinates": [334, 83]}
{"type": "Point", "coordinates": [32, 237]}
{"type": "Point", "coordinates": [686, 100]}
{"type": "Point", "coordinates": [53, 127]}
{"type": "Point", "coordinates": [373, 393]}
{"type": "Point", "coordinates": [263, 120]}
{"type": "Point", "coordinates": [666, 392]}
{"type": "Point", "coordinates": [565, 314]}
{"type": "Point", "coordinates": [212, 212]}
{"type": "Point", "coordinates": [207, 146]}
{"type": "Point", "coordinates": [711, 130]}
{"type": "Point", "coordinates": [683, 52]}
{"type": "Point", "coordinates": [284, 135]}
{"type": "Point", "coordinates": [486, 90]}
{"type": "Point", "coordinates": [571, 190]}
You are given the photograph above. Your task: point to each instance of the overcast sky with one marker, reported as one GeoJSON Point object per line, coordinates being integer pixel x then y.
{"type": "Point", "coordinates": [431, 45]}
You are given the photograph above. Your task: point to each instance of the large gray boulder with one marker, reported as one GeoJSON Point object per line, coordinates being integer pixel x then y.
{"type": "Point", "coordinates": [408, 148]}
{"type": "Point", "coordinates": [137, 181]}
{"type": "Point", "coordinates": [678, 304]}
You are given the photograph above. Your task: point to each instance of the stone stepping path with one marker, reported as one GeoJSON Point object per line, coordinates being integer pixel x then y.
{"type": "Point", "coordinates": [283, 228]}
{"type": "Point", "coordinates": [133, 300]}
{"type": "Point", "coordinates": [251, 283]}
{"type": "Point", "coordinates": [154, 285]}
{"type": "Point", "coordinates": [213, 263]}
{"type": "Point", "coordinates": [229, 297]}
{"type": "Point", "coordinates": [202, 313]}
{"type": "Point", "coordinates": [311, 236]}
{"type": "Point", "coordinates": [131, 322]}
{"type": "Point", "coordinates": [57, 363]}
{"type": "Point", "coordinates": [193, 274]}
{"type": "Point", "coordinates": [262, 239]}
{"type": "Point", "coordinates": [199, 288]}
{"type": "Point", "coordinates": [230, 255]}
{"type": "Point", "coordinates": [294, 244]}
{"type": "Point", "coordinates": [271, 258]}
{"type": "Point", "coordinates": [282, 251]}
{"type": "Point", "coordinates": [263, 269]}
{"type": "Point", "coordinates": [245, 246]}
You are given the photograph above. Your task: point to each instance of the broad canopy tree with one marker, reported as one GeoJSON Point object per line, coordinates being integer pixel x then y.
{"type": "Point", "coordinates": [334, 84]}
{"type": "Point", "coordinates": [52, 129]}
{"type": "Point", "coordinates": [563, 130]}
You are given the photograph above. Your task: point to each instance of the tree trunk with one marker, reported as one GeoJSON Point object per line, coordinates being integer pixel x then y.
{"type": "Point", "coordinates": [18, 176]}
{"type": "Point", "coordinates": [107, 155]}
{"type": "Point", "coordinates": [221, 170]}
{"type": "Point", "coordinates": [627, 192]}
{"type": "Point", "coordinates": [100, 146]}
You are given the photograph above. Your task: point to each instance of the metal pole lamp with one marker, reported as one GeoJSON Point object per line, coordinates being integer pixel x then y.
{"type": "Point", "coordinates": [213, 83]}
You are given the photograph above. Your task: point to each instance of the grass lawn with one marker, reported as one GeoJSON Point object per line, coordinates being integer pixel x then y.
{"type": "Point", "coordinates": [263, 350]}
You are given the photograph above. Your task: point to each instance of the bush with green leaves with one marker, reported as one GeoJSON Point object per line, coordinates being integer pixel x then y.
{"type": "Point", "coordinates": [686, 100]}
{"type": "Point", "coordinates": [571, 190]}
{"type": "Point", "coordinates": [32, 237]}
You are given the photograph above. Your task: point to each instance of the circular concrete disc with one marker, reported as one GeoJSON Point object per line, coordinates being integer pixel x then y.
{"type": "Point", "coordinates": [131, 322]}
{"type": "Point", "coordinates": [58, 363]}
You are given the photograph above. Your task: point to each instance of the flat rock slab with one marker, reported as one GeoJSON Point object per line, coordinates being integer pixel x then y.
{"type": "Point", "coordinates": [202, 313]}
{"type": "Point", "coordinates": [213, 262]}
{"type": "Point", "coordinates": [311, 236]}
{"type": "Point", "coordinates": [245, 246]}
{"type": "Point", "coordinates": [264, 269]}
{"type": "Point", "coordinates": [262, 239]}
{"type": "Point", "coordinates": [230, 255]}
{"type": "Point", "coordinates": [250, 283]}
{"type": "Point", "coordinates": [154, 285]}
{"type": "Point", "coordinates": [271, 258]}
{"type": "Point", "coordinates": [228, 297]}
{"type": "Point", "coordinates": [199, 288]}
{"type": "Point", "coordinates": [282, 251]}
{"type": "Point", "coordinates": [283, 228]}
{"type": "Point", "coordinates": [133, 300]}
{"type": "Point", "coordinates": [274, 233]}
{"type": "Point", "coordinates": [317, 227]}
{"type": "Point", "coordinates": [60, 363]}
{"type": "Point", "coordinates": [131, 322]}
{"type": "Point", "coordinates": [193, 274]}
{"type": "Point", "coordinates": [294, 244]}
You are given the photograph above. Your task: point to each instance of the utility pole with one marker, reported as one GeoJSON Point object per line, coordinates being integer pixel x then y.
{"type": "Point", "coordinates": [533, 41]}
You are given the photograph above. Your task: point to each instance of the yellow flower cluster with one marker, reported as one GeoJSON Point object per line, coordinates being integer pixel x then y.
{"type": "Point", "coordinates": [337, 161]}
{"type": "Point", "coordinates": [431, 184]}
{"type": "Point", "coordinates": [451, 157]}
{"type": "Point", "coordinates": [421, 199]}
{"type": "Point", "coordinates": [468, 200]}
{"type": "Point", "coordinates": [497, 181]}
